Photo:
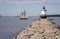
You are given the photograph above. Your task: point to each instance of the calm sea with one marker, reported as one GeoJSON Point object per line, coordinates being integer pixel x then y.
{"type": "Point", "coordinates": [11, 26]}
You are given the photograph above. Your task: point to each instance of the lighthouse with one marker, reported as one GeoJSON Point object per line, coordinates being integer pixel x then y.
{"type": "Point", "coordinates": [43, 13]}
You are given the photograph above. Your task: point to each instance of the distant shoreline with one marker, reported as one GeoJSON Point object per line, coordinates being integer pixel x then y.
{"type": "Point", "coordinates": [35, 16]}
{"type": "Point", "coordinates": [53, 15]}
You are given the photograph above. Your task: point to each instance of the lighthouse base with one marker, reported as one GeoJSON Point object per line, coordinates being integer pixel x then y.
{"type": "Point", "coordinates": [43, 16]}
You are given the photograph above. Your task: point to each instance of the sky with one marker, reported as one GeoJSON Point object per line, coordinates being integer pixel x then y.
{"type": "Point", "coordinates": [32, 7]}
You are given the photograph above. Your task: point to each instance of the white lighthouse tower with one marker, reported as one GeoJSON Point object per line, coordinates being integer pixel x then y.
{"type": "Point", "coordinates": [43, 13]}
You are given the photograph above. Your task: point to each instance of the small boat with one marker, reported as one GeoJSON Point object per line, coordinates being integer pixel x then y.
{"type": "Point", "coordinates": [23, 15]}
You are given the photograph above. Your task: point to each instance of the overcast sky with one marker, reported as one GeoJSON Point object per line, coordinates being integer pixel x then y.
{"type": "Point", "coordinates": [33, 7]}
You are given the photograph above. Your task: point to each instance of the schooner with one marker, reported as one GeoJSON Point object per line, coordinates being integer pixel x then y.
{"type": "Point", "coordinates": [23, 15]}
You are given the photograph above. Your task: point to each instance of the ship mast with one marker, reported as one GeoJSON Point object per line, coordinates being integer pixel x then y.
{"type": "Point", "coordinates": [24, 13]}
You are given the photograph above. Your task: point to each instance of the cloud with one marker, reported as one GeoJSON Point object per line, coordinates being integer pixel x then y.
{"type": "Point", "coordinates": [53, 1]}
{"type": "Point", "coordinates": [26, 0]}
{"type": "Point", "coordinates": [21, 1]}
{"type": "Point", "coordinates": [29, 1]}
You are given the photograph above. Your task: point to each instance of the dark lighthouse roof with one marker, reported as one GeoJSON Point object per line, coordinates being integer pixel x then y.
{"type": "Point", "coordinates": [44, 8]}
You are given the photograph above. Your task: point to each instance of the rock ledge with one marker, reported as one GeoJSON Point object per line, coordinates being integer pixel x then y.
{"type": "Point", "coordinates": [40, 29]}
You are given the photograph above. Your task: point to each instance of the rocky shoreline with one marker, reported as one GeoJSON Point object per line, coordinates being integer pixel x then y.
{"type": "Point", "coordinates": [40, 29]}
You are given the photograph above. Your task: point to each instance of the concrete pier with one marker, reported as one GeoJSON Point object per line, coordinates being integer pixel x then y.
{"type": "Point", "coordinates": [40, 29]}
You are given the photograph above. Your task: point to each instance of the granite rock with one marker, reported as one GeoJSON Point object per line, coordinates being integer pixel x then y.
{"type": "Point", "coordinates": [40, 29]}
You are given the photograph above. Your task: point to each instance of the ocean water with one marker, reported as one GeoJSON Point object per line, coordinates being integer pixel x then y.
{"type": "Point", "coordinates": [11, 26]}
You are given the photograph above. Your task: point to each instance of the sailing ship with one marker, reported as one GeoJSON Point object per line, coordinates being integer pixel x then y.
{"type": "Point", "coordinates": [23, 15]}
